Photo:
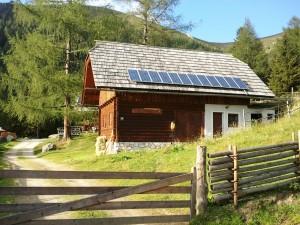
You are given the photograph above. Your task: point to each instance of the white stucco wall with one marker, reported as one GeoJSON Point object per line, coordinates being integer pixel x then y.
{"type": "Point", "coordinates": [244, 117]}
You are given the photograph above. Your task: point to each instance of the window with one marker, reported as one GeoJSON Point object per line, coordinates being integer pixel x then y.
{"type": "Point", "coordinates": [111, 119]}
{"type": "Point", "coordinates": [104, 122]}
{"type": "Point", "coordinates": [233, 120]}
{"type": "Point", "coordinates": [270, 116]}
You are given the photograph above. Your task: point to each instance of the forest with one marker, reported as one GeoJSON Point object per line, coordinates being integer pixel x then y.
{"type": "Point", "coordinates": [43, 46]}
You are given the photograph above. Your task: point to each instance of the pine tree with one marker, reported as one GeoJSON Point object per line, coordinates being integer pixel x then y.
{"type": "Point", "coordinates": [285, 60]}
{"type": "Point", "coordinates": [249, 49]}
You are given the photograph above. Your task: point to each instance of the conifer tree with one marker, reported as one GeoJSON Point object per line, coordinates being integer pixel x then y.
{"type": "Point", "coordinates": [285, 60]}
{"type": "Point", "coordinates": [249, 49]}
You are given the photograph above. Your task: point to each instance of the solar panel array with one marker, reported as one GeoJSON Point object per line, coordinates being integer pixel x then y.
{"type": "Point", "coordinates": [150, 76]}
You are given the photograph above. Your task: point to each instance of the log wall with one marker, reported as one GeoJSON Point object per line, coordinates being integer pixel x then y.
{"type": "Point", "coordinates": [155, 127]}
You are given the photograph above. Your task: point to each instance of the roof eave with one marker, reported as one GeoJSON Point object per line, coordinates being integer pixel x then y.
{"type": "Point", "coordinates": [246, 95]}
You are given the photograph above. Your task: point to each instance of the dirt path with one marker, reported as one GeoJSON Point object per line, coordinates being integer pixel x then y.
{"type": "Point", "coordinates": [21, 157]}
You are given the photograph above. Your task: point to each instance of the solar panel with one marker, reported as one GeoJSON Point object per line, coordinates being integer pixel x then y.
{"type": "Point", "coordinates": [159, 77]}
{"type": "Point", "coordinates": [222, 81]}
{"type": "Point", "coordinates": [213, 81]}
{"type": "Point", "coordinates": [144, 76]}
{"type": "Point", "coordinates": [195, 81]}
{"type": "Point", "coordinates": [134, 76]}
{"type": "Point", "coordinates": [231, 82]}
{"type": "Point", "coordinates": [203, 80]}
{"type": "Point", "coordinates": [155, 77]}
{"type": "Point", "coordinates": [175, 78]}
{"type": "Point", "coordinates": [185, 79]}
{"type": "Point", "coordinates": [165, 78]}
{"type": "Point", "coordinates": [240, 83]}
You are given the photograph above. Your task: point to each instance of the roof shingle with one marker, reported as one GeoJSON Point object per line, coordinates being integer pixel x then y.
{"type": "Point", "coordinates": [110, 62]}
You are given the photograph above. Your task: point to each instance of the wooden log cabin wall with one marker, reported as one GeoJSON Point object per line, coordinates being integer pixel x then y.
{"type": "Point", "coordinates": [146, 117]}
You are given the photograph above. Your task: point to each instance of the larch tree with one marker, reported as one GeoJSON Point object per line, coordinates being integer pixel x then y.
{"type": "Point", "coordinates": [43, 65]}
{"type": "Point", "coordinates": [157, 12]}
{"type": "Point", "coordinates": [249, 49]}
{"type": "Point", "coordinates": [285, 60]}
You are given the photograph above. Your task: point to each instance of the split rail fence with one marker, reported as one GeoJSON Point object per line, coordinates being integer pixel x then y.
{"type": "Point", "coordinates": [99, 197]}
{"type": "Point", "coordinates": [235, 173]}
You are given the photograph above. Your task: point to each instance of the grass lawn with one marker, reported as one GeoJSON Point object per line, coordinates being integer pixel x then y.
{"type": "Point", "coordinates": [268, 208]}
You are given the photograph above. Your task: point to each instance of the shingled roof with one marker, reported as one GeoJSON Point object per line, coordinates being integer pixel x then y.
{"type": "Point", "coordinates": [110, 62]}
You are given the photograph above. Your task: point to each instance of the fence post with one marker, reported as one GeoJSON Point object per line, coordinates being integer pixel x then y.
{"type": "Point", "coordinates": [235, 177]}
{"type": "Point", "coordinates": [201, 194]}
{"type": "Point", "coordinates": [193, 193]}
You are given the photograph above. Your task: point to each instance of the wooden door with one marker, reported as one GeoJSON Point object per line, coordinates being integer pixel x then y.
{"type": "Point", "coordinates": [181, 121]}
{"type": "Point", "coordinates": [188, 125]}
{"type": "Point", "coordinates": [217, 123]}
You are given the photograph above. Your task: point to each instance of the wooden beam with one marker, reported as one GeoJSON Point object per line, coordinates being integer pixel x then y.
{"type": "Point", "coordinates": [202, 189]}
{"type": "Point", "coordinates": [235, 176]}
{"type": "Point", "coordinates": [43, 174]}
{"type": "Point", "coordinates": [223, 185]}
{"type": "Point", "coordinates": [114, 221]}
{"type": "Point", "coordinates": [254, 173]}
{"type": "Point", "coordinates": [193, 195]}
{"type": "Point", "coordinates": [85, 190]}
{"type": "Point", "coordinates": [254, 154]}
{"type": "Point", "coordinates": [245, 192]}
{"type": "Point", "coordinates": [9, 208]}
{"type": "Point", "coordinates": [93, 200]}
{"type": "Point", "coordinates": [244, 150]}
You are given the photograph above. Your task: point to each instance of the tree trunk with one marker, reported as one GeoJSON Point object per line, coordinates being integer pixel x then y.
{"type": "Point", "coordinates": [145, 41]}
{"type": "Point", "coordinates": [67, 128]}
{"type": "Point", "coordinates": [145, 34]}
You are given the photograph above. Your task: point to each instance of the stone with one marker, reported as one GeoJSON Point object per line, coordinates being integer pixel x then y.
{"type": "Point", "coordinates": [100, 145]}
{"type": "Point", "coordinates": [9, 138]}
{"type": "Point", "coordinates": [53, 136]}
{"type": "Point", "coordinates": [48, 147]}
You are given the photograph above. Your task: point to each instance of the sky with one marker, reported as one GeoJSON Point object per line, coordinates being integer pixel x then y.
{"type": "Point", "coordinates": [218, 20]}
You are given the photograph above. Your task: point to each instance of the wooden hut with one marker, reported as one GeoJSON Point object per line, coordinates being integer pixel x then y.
{"type": "Point", "coordinates": [141, 90]}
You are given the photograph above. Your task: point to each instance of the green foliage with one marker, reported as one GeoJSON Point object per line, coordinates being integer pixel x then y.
{"type": "Point", "coordinates": [295, 186]}
{"type": "Point", "coordinates": [285, 60]}
{"type": "Point", "coordinates": [225, 215]}
{"type": "Point", "coordinates": [249, 49]}
{"type": "Point", "coordinates": [154, 13]}
{"type": "Point", "coordinates": [118, 158]}
{"type": "Point", "coordinates": [35, 81]}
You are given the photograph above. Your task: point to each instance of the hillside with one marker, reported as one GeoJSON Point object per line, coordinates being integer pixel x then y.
{"type": "Point", "coordinates": [268, 42]}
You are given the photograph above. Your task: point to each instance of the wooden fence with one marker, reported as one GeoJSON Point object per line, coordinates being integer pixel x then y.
{"type": "Point", "coordinates": [239, 172]}
{"type": "Point", "coordinates": [100, 197]}
{"type": "Point", "coordinates": [75, 131]}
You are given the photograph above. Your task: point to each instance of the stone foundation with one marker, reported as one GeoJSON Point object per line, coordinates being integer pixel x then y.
{"type": "Point", "coordinates": [134, 146]}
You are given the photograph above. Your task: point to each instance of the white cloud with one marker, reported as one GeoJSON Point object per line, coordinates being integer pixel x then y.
{"type": "Point", "coordinates": [116, 5]}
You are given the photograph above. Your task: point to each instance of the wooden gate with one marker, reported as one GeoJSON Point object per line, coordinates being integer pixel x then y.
{"type": "Point", "coordinates": [100, 197]}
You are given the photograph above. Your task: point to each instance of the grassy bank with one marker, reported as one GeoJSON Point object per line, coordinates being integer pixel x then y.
{"type": "Point", "coordinates": [80, 152]}
{"type": "Point", "coordinates": [268, 208]}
